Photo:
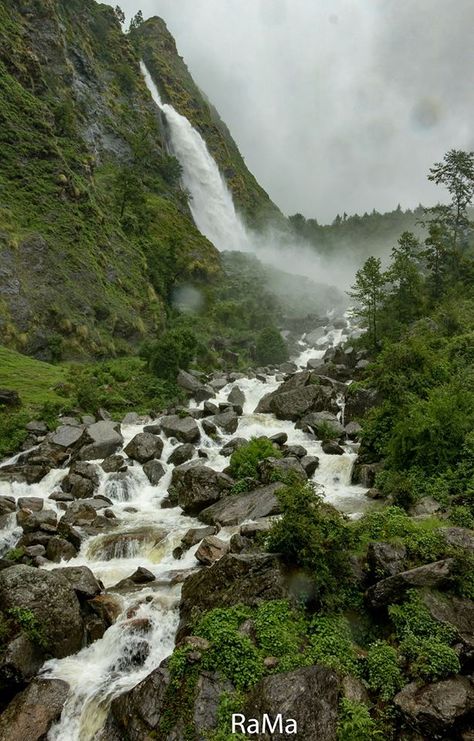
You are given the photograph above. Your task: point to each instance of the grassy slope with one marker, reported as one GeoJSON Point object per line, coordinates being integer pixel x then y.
{"type": "Point", "coordinates": [37, 382]}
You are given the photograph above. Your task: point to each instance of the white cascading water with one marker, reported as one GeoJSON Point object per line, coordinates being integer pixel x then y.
{"type": "Point", "coordinates": [211, 203]}
{"type": "Point", "coordinates": [146, 534]}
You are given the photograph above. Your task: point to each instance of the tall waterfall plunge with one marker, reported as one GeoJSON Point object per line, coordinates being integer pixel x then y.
{"type": "Point", "coordinates": [211, 203]}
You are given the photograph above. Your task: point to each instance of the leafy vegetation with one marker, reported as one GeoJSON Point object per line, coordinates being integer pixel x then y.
{"type": "Point", "coordinates": [244, 461]}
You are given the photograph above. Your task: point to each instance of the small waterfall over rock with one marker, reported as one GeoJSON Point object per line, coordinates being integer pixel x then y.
{"type": "Point", "coordinates": [211, 202]}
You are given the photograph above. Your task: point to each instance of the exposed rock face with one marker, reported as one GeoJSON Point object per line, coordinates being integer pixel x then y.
{"type": "Point", "coordinates": [392, 589]}
{"type": "Point", "coordinates": [53, 602]}
{"type": "Point", "coordinates": [439, 709]}
{"type": "Point", "coordinates": [81, 579]}
{"type": "Point", "coordinates": [181, 454]}
{"type": "Point", "coordinates": [359, 402]}
{"type": "Point", "coordinates": [233, 510]}
{"type": "Point", "coordinates": [31, 714]}
{"type": "Point", "coordinates": [455, 611]}
{"type": "Point", "coordinates": [234, 579]}
{"type": "Point", "coordinates": [197, 487]}
{"type": "Point", "coordinates": [385, 559]}
{"type": "Point", "coordinates": [310, 696]}
{"type": "Point", "coordinates": [184, 429]}
{"type": "Point", "coordinates": [300, 394]}
{"type": "Point", "coordinates": [154, 471]}
{"type": "Point", "coordinates": [144, 447]}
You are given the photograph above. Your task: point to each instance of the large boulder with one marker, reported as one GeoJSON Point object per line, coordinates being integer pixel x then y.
{"type": "Point", "coordinates": [226, 421]}
{"type": "Point", "coordinates": [81, 579]}
{"type": "Point", "coordinates": [211, 549]}
{"type": "Point", "coordinates": [385, 559]}
{"type": "Point", "coordinates": [68, 436]}
{"type": "Point", "coordinates": [194, 387]}
{"type": "Point", "coordinates": [309, 696]}
{"type": "Point", "coordinates": [31, 714]}
{"type": "Point", "coordinates": [358, 402]}
{"type": "Point", "coordinates": [233, 510]}
{"type": "Point", "coordinates": [295, 404]}
{"type": "Point", "coordinates": [184, 429]}
{"type": "Point", "coordinates": [393, 588]}
{"type": "Point", "coordinates": [438, 710]}
{"type": "Point", "coordinates": [271, 469]}
{"type": "Point", "coordinates": [234, 579]}
{"type": "Point", "coordinates": [456, 612]}
{"type": "Point", "coordinates": [52, 601]}
{"type": "Point", "coordinates": [102, 440]}
{"type": "Point", "coordinates": [181, 454]}
{"type": "Point", "coordinates": [236, 396]}
{"type": "Point", "coordinates": [144, 447]}
{"type": "Point", "coordinates": [154, 471]}
{"type": "Point", "coordinates": [195, 487]}
{"type": "Point", "coordinates": [322, 422]}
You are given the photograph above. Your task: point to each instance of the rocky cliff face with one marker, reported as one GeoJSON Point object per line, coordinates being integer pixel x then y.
{"type": "Point", "coordinates": [95, 230]}
{"type": "Point", "coordinates": [157, 47]}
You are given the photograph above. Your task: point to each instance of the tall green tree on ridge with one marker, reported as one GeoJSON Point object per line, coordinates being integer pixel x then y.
{"type": "Point", "coordinates": [368, 292]}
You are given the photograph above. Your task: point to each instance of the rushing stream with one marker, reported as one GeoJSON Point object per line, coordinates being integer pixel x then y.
{"type": "Point", "coordinates": [146, 536]}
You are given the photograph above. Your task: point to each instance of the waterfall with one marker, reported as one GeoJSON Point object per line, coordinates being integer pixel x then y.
{"type": "Point", "coordinates": [211, 203]}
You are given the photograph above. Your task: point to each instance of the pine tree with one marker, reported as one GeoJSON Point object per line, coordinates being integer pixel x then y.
{"type": "Point", "coordinates": [368, 291]}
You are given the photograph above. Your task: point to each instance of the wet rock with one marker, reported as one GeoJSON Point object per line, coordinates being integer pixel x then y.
{"type": "Point", "coordinates": [114, 464]}
{"type": "Point", "coordinates": [59, 549]}
{"type": "Point", "coordinates": [34, 504]}
{"type": "Point", "coordinates": [209, 427]}
{"type": "Point", "coordinates": [153, 429]}
{"type": "Point", "coordinates": [321, 423]}
{"type": "Point", "coordinates": [7, 505]}
{"type": "Point", "coordinates": [226, 421]}
{"type": "Point", "coordinates": [103, 439]}
{"type": "Point", "coordinates": [81, 579]}
{"type": "Point", "coordinates": [138, 712]}
{"type": "Point", "coordinates": [358, 403]}
{"type": "Point", "coordinates": [365, 473]}
{"type": "Point", "coordinates": [142, 576]}
{"type": "Point", "coordinates": [66, 531]}
{"type": "Point", "coordinates": [107, 606]}
{"type": "Point", "coordinates": [77, 486]}
{"type": "Point", "coordinates": [131, 418]}
{"type": "Point", "coordinates": [29, 474]}
{"type": "Point", "coordinates": [236, 396]}
{"type": "Point", "coordinates": [31, 714]}
{"type": "Point", "coordinates": [439, 709]}
{"type": "Point", "coordinates": [393, 588]}
{"type": "Point", "coordinates": [197, 487]}
{"type": "Point", "coordinates": [53, 602]}
{"type": "Point", "coordinates": [79, 513]}
{"type": "Point", "coordinates": [181, 454]}
{"type": "Point", "coordinates": [195, 535]}
{"type": "Point", "coordinates": [309, 463]}
{"type": "Point", "coordinates": [294, 451]}
{"type": "Point", "coordinates": [279, 439]}
{"type": "Point", "coordinates": [425, 507]}
{"type": "Point", "coordinates": [331, 447]}
{"type": "Point", "coordinates": [61, 496]}
{"type": "Point", "coordinates": [385, 559]}
{"type": "Point", "coordinates": [154, 471]}
{"type": "Point", "coordinates": [233, 510]}
{"type": "Point", "coordinates": [129, 543]}
{"type": "Point", "coordinates": [20, 660]}
{"type": "Point", "coordinates": [218, 383]}
{"type": "Point", "coordinates": [456, 612]}
{"type": "Point", "coordinates": [144, 447]}
{"type": "Point", "coordinates": [240, 544]}
{"type": "Point", "coordinates": [184, 429]}
{"type": "Point", "coordinates": [271, 469]}
{"type": "Point", "coordinates": [232, 445]}
{"type": "Point", "coordinates": [210, 408]}
{"type": "Point", "coordinates": [234, 579]}
{"type": "Point", "coordinates": [251, 529]}
{"type": "Point", "coordinates": [353, 430]}
{"type": "Point", "coordinates": [88, 471]}
{"type": "Point", "coordinates": [211, 549]}
{"type": "Point", "coordinates": [309, 696]}
{"type": "Point", "coordinates": [118, 487]}
{"type": "Point", "coordinates": [210, 687]}
{"type": "Point", "coordinates": [294, 404]}
{"type": "Point", "coordinates": [46, 521]}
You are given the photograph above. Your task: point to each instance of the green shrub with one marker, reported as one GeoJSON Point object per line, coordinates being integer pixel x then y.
{"type": "Point", "coordinates": [172, 352]}
{"type": "Point", "coordinates": [279, 628]}
{"type": "Point", "coordinates": [244, 461]}
{"type": "Point", "coordinates": [384, 674]}
{"type": "Point", "coordinates": [355, 724]}
{"type": "Point", "coordinates": [331, 644]}
{"type": "Point", "coordinates": [430, 658]}
{"type": "Point", "coordinates": [425, 546]}
{"type": "Point", "coordinates": [384, 524]}
{"type": "Point", "coordinates": [12, 431]}
{"type": "Point", "coordinates": [271, 348]}
{"type": "Point", "coordinates": [413, 618]}
{"type": "Point", "coordinates": [461, 516]}
{"type": "Point", "coordinates": [313, 535]}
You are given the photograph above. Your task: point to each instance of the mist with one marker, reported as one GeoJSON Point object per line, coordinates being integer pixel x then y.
{"type": "Point", "coordinates": [336, 105]}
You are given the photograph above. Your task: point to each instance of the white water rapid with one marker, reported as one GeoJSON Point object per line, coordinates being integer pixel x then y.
{"type": "Point", "coordinates": [147, 534]}
{"type": "Point", "coordinates": [211, 203]}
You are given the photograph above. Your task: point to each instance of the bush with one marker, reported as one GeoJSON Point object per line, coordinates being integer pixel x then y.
{"type": "Point", "coordinates": [12, 431]}
{"type": "Point", "coordinates": [425, 546]}
{"type": "Point", "coordinates": [244, 461]}
{"type": "Point", "coordinates": [315, 536]}
{"type": "Point", "coordinates": [331, 644]}
{"type": "Point", "coordinates": [384, 674]}
{"type": "Point", "coordinates": [413, 618]}
{"type": "Point", "coordinates": [172, 352]}
{"type": "Point", "coordinates": [430, 658]}
{"type": "Point", "coordinates": [271, 348]}
{"type": "Point", "coordinates": [279, 628]}
{"type": "Point", "coordinates": [355, 723]}
{"type": "Point", "coordinates": [384, 524]}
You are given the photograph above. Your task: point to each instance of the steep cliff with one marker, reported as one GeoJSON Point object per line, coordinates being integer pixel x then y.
{"type": "Point", "coordinates": [157, 47]}
{"type": "Point", "coordinates": [94, 227]}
